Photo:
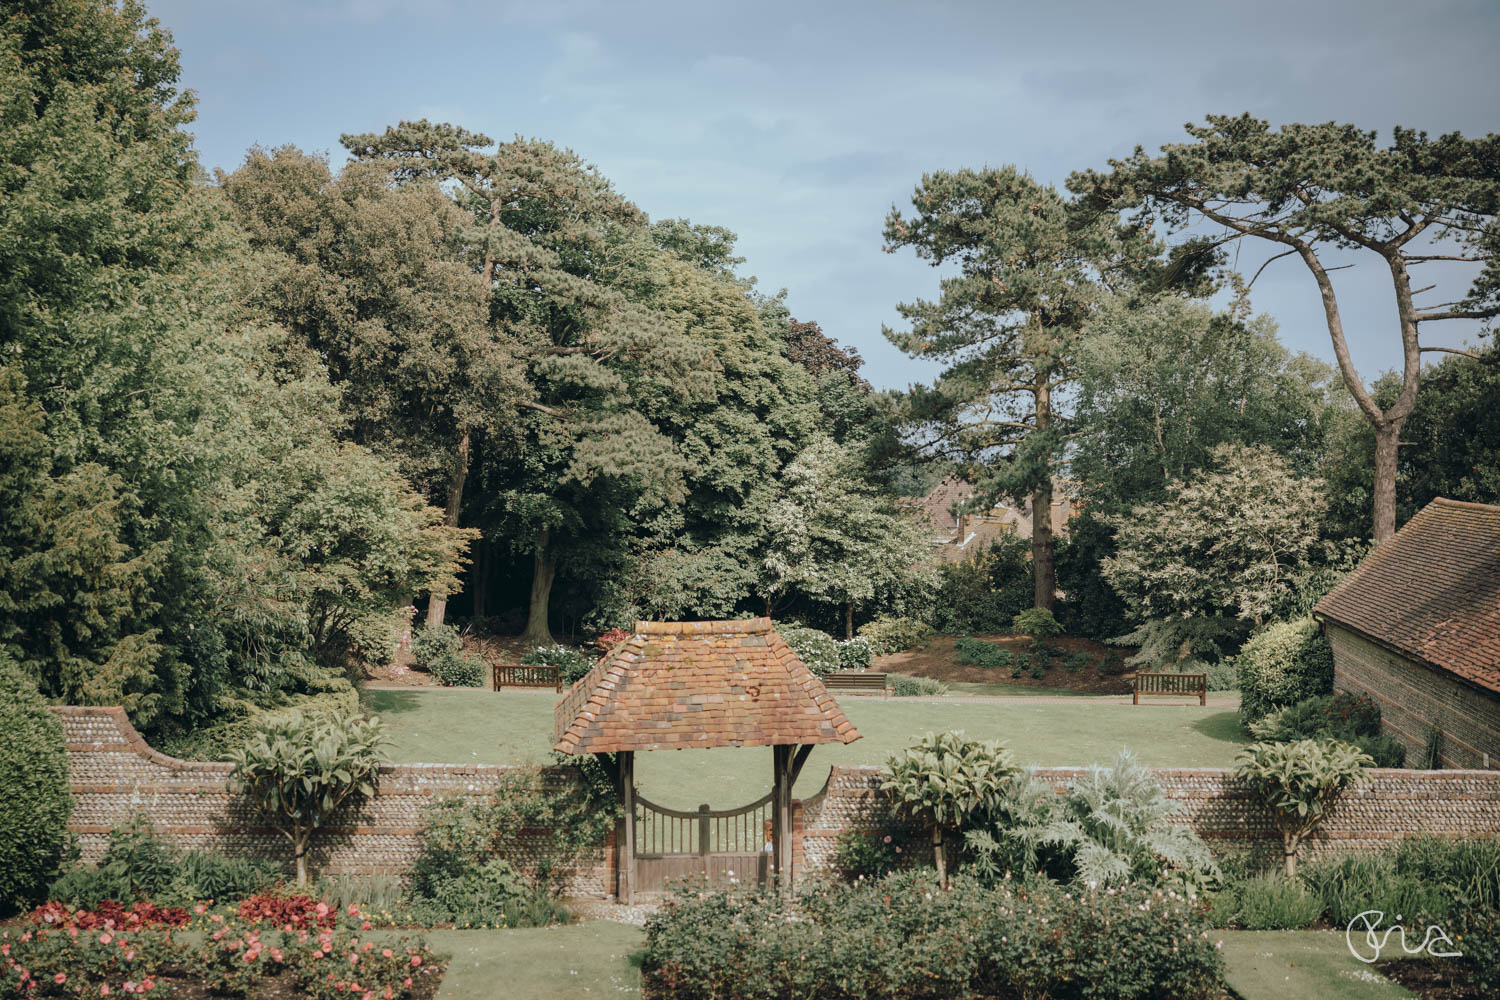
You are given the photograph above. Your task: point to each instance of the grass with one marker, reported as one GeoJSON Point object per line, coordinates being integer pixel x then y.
{"type": "Point", "coordinates": [469, 726]}
{"type": "Point", "coordinates": [1271, 965]}
{"type": "Point", "coordinates": [594, 958]}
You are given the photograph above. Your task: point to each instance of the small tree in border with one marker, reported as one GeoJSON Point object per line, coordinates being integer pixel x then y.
{"type": "Point", "coordinates": [1299, 782]}
{"type": "Point", "coordinates": [944, 781]}
{"type": "Point", "coordinates": [299, 769]}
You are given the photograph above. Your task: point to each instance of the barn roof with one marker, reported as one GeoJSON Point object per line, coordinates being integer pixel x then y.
{"type": "Point", "coordinates": [1431, 591]}
{"type": "Point", "coordinates": [694, 685]}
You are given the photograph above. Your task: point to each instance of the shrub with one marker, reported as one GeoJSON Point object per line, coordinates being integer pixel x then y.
{"type": "Point", "coordinates": [981, 595]}
{"type": "Point", "coordinates": [1274, 903]}
{"type": "Point", "coordinates": [300, 912]}
{"type": "Point", "coordinates": [1037, 623]}
{"type": "Point", "coordinates": [887, 634]}
{"type": "Point", "coordinates": [111, 915]}
{"type": "Point", "coordinates": [1220, 676]}
{"type": "Point", "coordinates": [1354, 719]}
{"type": "Point", "coordinates": [1281, 665]}
{"type": "Point", "coordinates": [1299, 782]}
{"type": "Point", "coordinates": [906, 938]}
{"type": "Point", "coordinates": [461, 670]}
{"type": "Point", "coordinates": [37, 803]}
{"type": "Point", "coordinates": [1477, 927]}
{"type": "Point", "coordinates": [610, 638]}
{"type": "Point", "coordinates": [198, 875]}
{"type": "Point", "coordinates": [299, 769]}
{"type": "Point", "coordinates": [906, 686]}
{"type": "Point", "coordinates": [817, 650]}
{"type": "Point", "coordinates": [869, 855]}
{"type": "Point", "coordinates": [375, 638]}
{"type": "Point", "coordinates": [433, 643]}
{"type": "Point", "coordinates": [944, 781]}
{"type": "Point", "coordinates": [1077, 661]}
{"type": "Point", "coordinates": [981, 653]}
{"type": "Point", "coordinates": [855, 654]}
{"type": "Point", "coordinates": [572, 662]}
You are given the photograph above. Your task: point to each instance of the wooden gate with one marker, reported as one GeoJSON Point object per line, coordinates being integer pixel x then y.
{"type": "Point", "coordinates": [714, 844]}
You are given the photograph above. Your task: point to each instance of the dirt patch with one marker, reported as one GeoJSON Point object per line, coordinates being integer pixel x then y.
{"type": "Point", "coordinates": [939, 660]}
{"type": "Point", "coordinates": [1431, 978]}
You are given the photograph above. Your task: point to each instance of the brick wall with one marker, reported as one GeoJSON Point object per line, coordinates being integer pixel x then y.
{"type": "Point", "coordinates": [1397, 804]}
{"type": "Point", "coordinates": [1412, 698]}
{"type": "Point", "coordinates": [114, 773]}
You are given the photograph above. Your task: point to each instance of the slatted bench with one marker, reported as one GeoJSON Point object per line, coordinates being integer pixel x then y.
{"type": "Point", "coordinates": [857, 681]}
{"type": "Point", "coordinates": [1171, 684]}
{"type": "Point", "coordinates": [527, 676]}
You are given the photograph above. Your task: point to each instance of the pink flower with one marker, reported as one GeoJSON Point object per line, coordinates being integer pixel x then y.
{"type": "Point", "coordinates": [130, 955]}
{"type": "Point", "coordinates": [385, 952]}
{"type": "Point", "coordinates": [200, 908]}
{"type": "Point", "coordinates": [406, 983]}
{"type": "Point", "coordinates": [887, 838]}
{"type": "Point", "coordinates": [416, 960]}
{"type": "Point", "coordinates": [104, 990]}
{"type": "Point", "coordinates": [365, 926]}
{"type": "Point", "coordinates": [353, 909]}
{"type": "Point", "coordinates": [60, 978]}
{"type": "Point", "coordinates": [322, 910]}
{"type": "Point", "coordinates": [353, 958]}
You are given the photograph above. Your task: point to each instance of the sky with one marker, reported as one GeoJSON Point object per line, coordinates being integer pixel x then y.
{"type": "Point", "coordinates": [799, 125]}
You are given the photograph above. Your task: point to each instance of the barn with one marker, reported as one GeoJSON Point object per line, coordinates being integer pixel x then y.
{"type": "Point", "coordinates": [1416, 626]}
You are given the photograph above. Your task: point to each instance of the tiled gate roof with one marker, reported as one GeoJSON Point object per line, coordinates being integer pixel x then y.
{"type": "Point", "coordinates": [694, 685]}
{"type": "Point", "coordinates": [1432, 591]}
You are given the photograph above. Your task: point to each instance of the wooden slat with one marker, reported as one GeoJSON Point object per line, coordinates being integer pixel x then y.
{"type": "Point", "coordinates": [526, 676]}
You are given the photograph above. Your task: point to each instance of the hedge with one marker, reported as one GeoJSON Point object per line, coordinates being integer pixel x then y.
{"type": "Point", "coordinates": [35, 807]}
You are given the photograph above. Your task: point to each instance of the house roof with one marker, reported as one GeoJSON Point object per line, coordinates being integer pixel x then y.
{"type": "Point", "coordinates": [937, 506]}
{"type": "Point", "coordinates": [1431, 591]}
{"type": "Point", "coordinates": [695, 685]}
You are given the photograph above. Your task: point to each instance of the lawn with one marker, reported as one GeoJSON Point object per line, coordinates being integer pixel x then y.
{"type": "Point", "coordinates": [469, 726]}
{"type": "Point", "coordinates": [1271, 965]}
{"type": "Point", "coordinates": [595, 958]}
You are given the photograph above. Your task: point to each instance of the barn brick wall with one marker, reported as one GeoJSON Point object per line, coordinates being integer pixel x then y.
{"type": "Point", "coordinates": [1397, 804]}
{"type": "Point", "coordinates": [1413, 698]}
{"type": "Point", "coordinates": [115, 774]}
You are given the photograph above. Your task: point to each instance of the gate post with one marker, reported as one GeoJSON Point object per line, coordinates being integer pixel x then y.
{"type": "Point", "coordinates": [703, 836]}
{"type": "Point", "coordinates": [625, 868]}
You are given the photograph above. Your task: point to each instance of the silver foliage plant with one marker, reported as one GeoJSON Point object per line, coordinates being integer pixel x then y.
{"type": "Point", "coordinates": [1112, 826]}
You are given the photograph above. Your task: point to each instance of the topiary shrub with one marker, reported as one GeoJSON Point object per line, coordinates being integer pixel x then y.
{"type": "Point", "coordinates": [36, 805]}
{"type": "Point", "coordinates": [817, 650]}
{"type": "Point", "coordinates": [573, 663]}
{"type": "Point", "coordinates": [1281, 665]}
{"type": "Point", "coordinates": [895, 635]}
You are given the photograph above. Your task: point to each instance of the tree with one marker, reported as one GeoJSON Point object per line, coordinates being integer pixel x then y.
{"type": "Point", "coordinates": [370, 277]}
{"type": "Point", "coordinates": [559, 250]}
{"type": "Point", "coordinates": [1299, 782]}
{"type": "Point", "coordinates": [299, 769]}
{"type": "Point", "coordinates": [1318, 190]}
{"type": "Point", "coordinates": [1031, 274]}
{"type": "Point", "coordinates": [946, 782]}
{"type": "Point", "coordinates": [832, 539]}
{"type": "Point", "coordinates": [1224, 543]}
{"type": "Point", "coordinates": [1162, 381]}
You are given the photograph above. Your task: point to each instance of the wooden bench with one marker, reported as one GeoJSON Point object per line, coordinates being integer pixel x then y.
{"type": "Point", "coordinates": [1171, 684]}
{"type": "Point", "coordinates": [860, 681]}
{"type": "Point", "coordinates": [527, 676]}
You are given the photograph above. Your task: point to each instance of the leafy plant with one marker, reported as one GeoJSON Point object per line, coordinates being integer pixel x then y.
{"type": "Point", "coordinates": [944, 782]}
{"type": "Point", "coordinates": [299, 770]}
{"type": "Point", "coordinates": [1038, 623]}
{"type": "Point", "coordinates": [1281, 665]}
{"type": "Point", "coordinates": [981, 653]}
{"type": "Point", "coordinates": [37, 802]}
{"type": "Point", "coordinates": [573, 663]}
{"type": "Point", "coordinates": [888, 634]}
{"type": "Point", "coordinates": [1354, 719]}
{"type": "Point", "coordinates": [1077, 661]}
{"type": "Point", "coordinates": [862, 855]}
{"type": "Point", "coordinates": [855, 654]}
{"type": "Point", "coordinates": [1273, 903]}
{"type": "Point", "coordinates": [907, 686]}
{"type": "Point", "coordinates": [1298, 782]}
{"type": "Point", "coordinates": [817, 650]}
{"type": "Point", "coordinates": [461, 670]}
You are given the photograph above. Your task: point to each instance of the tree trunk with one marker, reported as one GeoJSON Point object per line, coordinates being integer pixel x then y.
{"type": "Point", "coordinates": [478, 570]}
{"type": "Point", "coordinates": [1044, 571]}
{"type": "Point", "coordinates": [299, 848]}
{"type": "Point", "coordinates": [938, 856]}
{"type": "Point", "coordinates": [544, 568]}
{"type": "Point", "coordinates": [1289, 848]}
{"type": "Point", "coordinates": [437, 605]}
{"type": "Point", "coordinates": [1387, 437]}
{"type": "Point", "coordinates": [849, 620]}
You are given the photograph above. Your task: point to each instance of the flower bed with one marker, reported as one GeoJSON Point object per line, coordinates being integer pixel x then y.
{"type": "Point", "coordinates": [273, 951]}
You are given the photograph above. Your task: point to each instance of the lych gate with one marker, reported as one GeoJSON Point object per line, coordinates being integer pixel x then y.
{"type": "Point", "coordinates": [694, 686]}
